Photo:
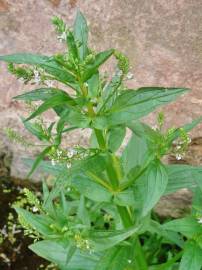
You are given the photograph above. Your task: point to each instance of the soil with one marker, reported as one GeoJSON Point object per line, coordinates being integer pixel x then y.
{"type": "Point", "coordinates": [14, 253]}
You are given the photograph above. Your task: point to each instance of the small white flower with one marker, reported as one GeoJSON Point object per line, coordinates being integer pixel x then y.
{"type": "Point", "coordinates": [200, 220]}
{"type": "Point", "coordinates": [120, 73]}
{"type": "Point", "coordinates": [53, 162]}
{"type": "Point", "coordinates": [69, 165]}
{"type": "Point", "coordinates": [71, 153]}
{"type": "Point", "coordinates": [68, 189]}
{"type": "Point", "coordinates": [178, 156]}
{"type": "Point", "coordinates": [129, 76]}
{"type": "Point", "coordinates": [49, 83]}
{"type": "Point", "coordinates": [155, 127]}
{"type": "Point", "coordinates": [37, 77]}
{"type": "Point", "coordinates": [62, 37]}
{"type": "Point", "coordinates": [129, 261]}
{"type": "Point", "coordinates": [35, 209]}
{"type": "Point", "coordinates": [59, 153]}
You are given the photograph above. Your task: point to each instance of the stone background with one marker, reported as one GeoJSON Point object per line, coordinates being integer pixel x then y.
{"type": "Point", "coordinates": [162, 38]}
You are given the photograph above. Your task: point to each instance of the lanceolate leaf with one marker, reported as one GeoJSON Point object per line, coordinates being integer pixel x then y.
{"type": "Point", "coordinates": [56, 252]}
{"type": "Point", "coordinates": [71, 43]}
{"type": "Point", "coordinates": [151, 185]}
{"type": "Point", "coordinates": [25, 58]}
{"type": "Point", "coordinates": [115, 137]}
{"type": "Point", "coordinates": [182, 176]}
{"type": "Point", "coordinates": [44, 94]}
{"type": "Point", "coordinates": [92, 68]}
{"type": "Point", "coordinates": [104, 240]}
{"type": "Point", "coordinates": [132, 105]}
{"type": "Point", "coordinates": [117, 258]}
{"type": "Point", "coordinates": [110, 93]}
{"type": "Point", "coordinates": [39, 159]}
{"type": "Point", "coordinates": [93, 85]}
{"type": "Point", "coordinates": [36, 130]}
{"type": "Point", "coordinates": [125, 198]}
{"type": "Point", "coordinates": [39, 94]}
{"type": "Point", "coordinates": [37, 222]}
{"type": "Point", "coordinates": [83, 213]}
{"type": "Point", "coordinates": [81, 34]}
{"type": "Point", "coordinates": [47, 63]}
{"type": "Point", "coordinates": [56, 100]}
{"type": "Point", "coordinates": [187, 226]}
{"type": "Point", "coordinates": [136, 151]}
{"type": "Point", "coordinates": [90, 189]}
{"type": "Point", "coordinates": [191, 259]}
{"type": "Point", "coordinates": [187, 127]}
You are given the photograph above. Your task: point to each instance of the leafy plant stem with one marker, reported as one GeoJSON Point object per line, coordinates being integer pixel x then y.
{"type": "Point", "coordinates": [140, 258]}
{"type": "Point", "coordinates": [100, 138]}
{"type": "Point", "coordinates": [141, 263]}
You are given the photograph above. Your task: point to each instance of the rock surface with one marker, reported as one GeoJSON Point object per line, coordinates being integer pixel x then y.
{"type": "Point", "coordinates": [162, 38]}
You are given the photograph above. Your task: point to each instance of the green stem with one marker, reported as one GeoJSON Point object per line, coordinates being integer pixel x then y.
{"type": "Point", "coordinates": [100, 138]}
{"type": "Point", "coordinates": [140, 257]}
{"type": "Point", "coordinates": [114, 173]}
{"type": "Point", "coordinates": [125, 217]}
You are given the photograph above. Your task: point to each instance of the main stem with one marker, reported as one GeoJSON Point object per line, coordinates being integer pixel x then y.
{"type": "Point", "coordinates": [141, 263]}
{"type": "Point", "coordinates": [114, 174]}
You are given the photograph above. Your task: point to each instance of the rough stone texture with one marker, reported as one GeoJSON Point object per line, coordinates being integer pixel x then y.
{"type": "Point", "coordinates": [162, 38]}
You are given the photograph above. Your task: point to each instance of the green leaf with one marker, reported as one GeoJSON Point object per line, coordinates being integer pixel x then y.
{"type": "Point", "coordinates": [81, 34]}
{"type": "Point", "coordinates": [95, 164]}
{"type": "Point", "coordinates": [71, 43]}
{"type": "Point", "coordinates": [43, 94]}
{"type": "Point", "coordinates": [39, 159]}
{"type": "Point", "coordinates": [45, 191]}
{"type": "Point", "coordinates": [56, 100]}
{"type": "Point", "coordinates": [90, 189]}
{"type": "Point", "coordinates": [45, 62]}
{"type": "Point", "coordinates": [173, 237]}
{"type": "Point", "coordinates": [136, 151]}
{"type": "Point", "coordinates": [39, 94]}
{"type": "Point", "coordinates": [25, 58]}
{"type": "Point", "coordinates": [107, 239]}
{"type": "Point", "coordinates": [92, 68]}
{"type": "Point", "coordinates": [93, 85]}
{"type": "Point", "coordinates": [191, 259]}
{"type": "Point", "coordinates": [151, 185]}
{"type": "Point", "coordinates": [115, 137]}
{"type": "Point", "coordinates": [78, 119]}
{"type": "Point", "coordinates": [110, 93]}
{"type": "Point", "coordinates": [117, 258]}
{"type": "Point", "coordinates": [39, 223]}
{"type": "Point", "coordinates": [83, 213]}
{"type": "Point", "coordinates": [37, 130]}
{"type": "Point", "coordinates": [56, 252]}
{"type": "Point", "coordinates": [187, 127]}
{"type": "Point", "coordinates": [46, 166]}
{"type": "Point", "coordinates": [132, 105]}
{"type": "Point", "coordinates": [182, 176]}
{"type": "Point", "coordinates": [187, 226]}
{"type": "Point", "coordinates": [125, 198]}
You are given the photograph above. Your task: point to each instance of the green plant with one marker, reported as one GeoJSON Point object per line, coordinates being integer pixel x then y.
{"type": "Point", "coordinates": [98, 212]}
